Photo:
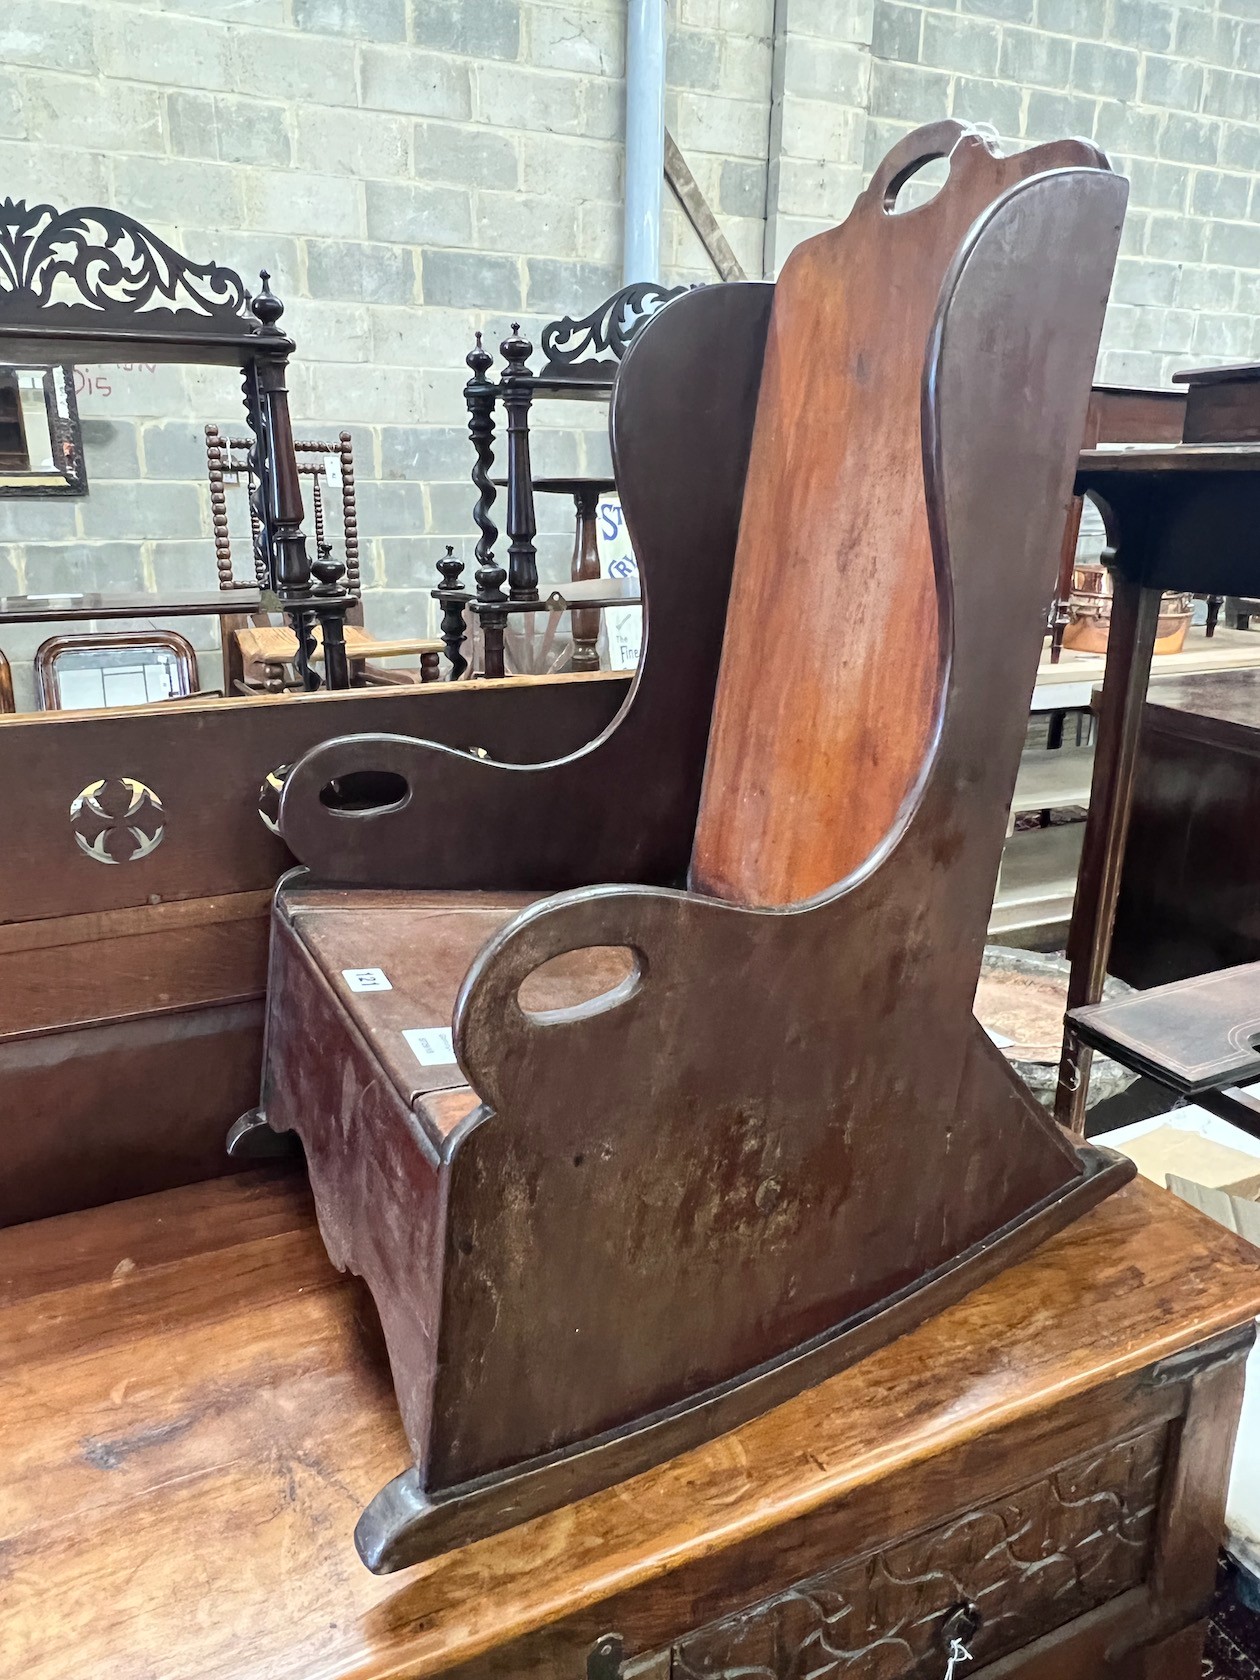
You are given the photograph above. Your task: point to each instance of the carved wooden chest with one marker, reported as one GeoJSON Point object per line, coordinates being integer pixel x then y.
{"type": "Point", "coordinates": [996, 1579]}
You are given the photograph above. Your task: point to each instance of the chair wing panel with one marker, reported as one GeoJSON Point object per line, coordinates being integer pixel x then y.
{"type": "Point", "coordinates": [622, 808]}
{"type": "Point", "coordinates": [1004, 400]}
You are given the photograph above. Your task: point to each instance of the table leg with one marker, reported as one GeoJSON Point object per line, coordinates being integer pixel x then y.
{"type": "Point", "coordinates": [1059, 617]}
{"type": "Point", "coordinates": [585, 621]}
{"type": "Point", "coordinates": [1130, 646]}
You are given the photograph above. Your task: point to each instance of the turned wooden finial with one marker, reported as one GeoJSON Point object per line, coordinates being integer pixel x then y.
{"type": "Point", "coordinates": [450, 568]}
{"type": "Point", "coordinates": [328, 572]}
{"type": "Point", "coordinates": [478, 359]}
{"type": "Point", "coordinates": [516, 352]}
{"type": "Point", "coordinates": [452, 598]}
{"type": "Point", "coordinates": [266, 308]}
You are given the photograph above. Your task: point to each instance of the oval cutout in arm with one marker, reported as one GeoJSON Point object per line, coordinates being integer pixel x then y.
{"type": "Point", "coordinates": [580, 983]}
{"type": "Point", "coordinates": [365, 793]}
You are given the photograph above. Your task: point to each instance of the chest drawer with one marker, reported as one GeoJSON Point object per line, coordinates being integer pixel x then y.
{"type": "Point", "coordinates": [1027, 1562]}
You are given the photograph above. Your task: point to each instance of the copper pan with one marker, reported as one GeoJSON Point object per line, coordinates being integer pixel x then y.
{"type": "Point", "coordinates": [1089, 613]}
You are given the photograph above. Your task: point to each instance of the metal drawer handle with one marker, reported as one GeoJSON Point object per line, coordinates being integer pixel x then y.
{"type": "Point", "coordinates": [960, 1628]}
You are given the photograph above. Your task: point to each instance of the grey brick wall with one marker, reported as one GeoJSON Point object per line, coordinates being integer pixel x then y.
{"type": "Point", "coordinates": [413, 170]}
{"type": "Point", "coordinates": [1171, 93]}
{"type": "Point", "coordinates": [409, 171]}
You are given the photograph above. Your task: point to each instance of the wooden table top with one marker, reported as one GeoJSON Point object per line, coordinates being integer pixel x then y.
{"type": "Point", "coordinates": [193, 1419]}
{"type": "Point", "coordinates": [188, 603]}
{"type": "Point", "coordinates": [1165, 458]}
{"type": "Point", "coordinates": [1228, 696]}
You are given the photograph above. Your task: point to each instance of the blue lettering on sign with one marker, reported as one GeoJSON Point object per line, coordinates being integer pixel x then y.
{"type": "Point", "coordinates": [613, 518]}
{"type": "Point", "coordinates": [623, 568]}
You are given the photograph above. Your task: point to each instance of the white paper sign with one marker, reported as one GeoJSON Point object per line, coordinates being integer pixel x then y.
{"type": "Point", "coordinates": [431, 1046]}
{"type": "Point", "coordinates": [366, 979]}
{"type": "Point", "coordinates": [616, 560]}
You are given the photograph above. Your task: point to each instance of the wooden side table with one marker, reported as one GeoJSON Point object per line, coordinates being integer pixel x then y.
{"type": "Point", "coordinates": [1178, 516]}
{"type": "Point", "coordinates": [195, 1410]}
{"type": "Point", "coordinates": [1190, 891]}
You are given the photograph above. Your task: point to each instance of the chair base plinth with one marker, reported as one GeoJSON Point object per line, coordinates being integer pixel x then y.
{"type": "Point", "coordinates": [406, 1524]}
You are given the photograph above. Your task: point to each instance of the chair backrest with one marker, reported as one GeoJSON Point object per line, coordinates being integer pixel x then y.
{"type": "Point", "coordinates": [831, 676]}
{"type": "Point", "coordinates": [234, 458]}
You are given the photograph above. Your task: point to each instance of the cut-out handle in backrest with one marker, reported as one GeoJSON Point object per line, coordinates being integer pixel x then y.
{"type": "Point", "coordinates": [830, 681]}
{"type": "Point", "coordinates": [911, 154]}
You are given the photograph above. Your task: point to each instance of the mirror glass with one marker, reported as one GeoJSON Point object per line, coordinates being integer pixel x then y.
{"type": "Point", "coordinates": [41, 444]}
{"type": "Point", "coordinates": [158, 517]}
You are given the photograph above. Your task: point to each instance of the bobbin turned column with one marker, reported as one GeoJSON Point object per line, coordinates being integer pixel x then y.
{"type": "Point", "coordinates": [217, 463]}
{"type": "Point", "coordinates": [349, 510]}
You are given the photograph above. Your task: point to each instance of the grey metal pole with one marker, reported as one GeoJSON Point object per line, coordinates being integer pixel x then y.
{"type": "Point", "coordinates": [645, 138]}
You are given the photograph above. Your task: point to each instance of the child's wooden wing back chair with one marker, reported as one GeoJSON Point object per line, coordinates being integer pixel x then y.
{"type": "Point", "coordinates": [694, 1147]}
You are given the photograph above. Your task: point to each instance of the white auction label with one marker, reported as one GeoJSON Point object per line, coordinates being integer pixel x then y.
{"type": "Point", "coordinates": [366, 979]}
{"type": "Point", "coordinates": [431, 1046]}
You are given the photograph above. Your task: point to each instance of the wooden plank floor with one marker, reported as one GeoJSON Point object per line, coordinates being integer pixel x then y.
{"type": "Point", "coordinates": [193, 1416]}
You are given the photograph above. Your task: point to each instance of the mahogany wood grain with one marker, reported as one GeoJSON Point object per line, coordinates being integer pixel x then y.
{"type": "Point", "coordinates": [830, 681]}
{"type": "Point", "coordinates": [1130, 414]}
{"type": "Point", "coordinates": [95, 925]}
{"type": "Point", "coordinates": [195, 1409]}
{"type": "Point", "coordinates": [130, 995]}
{"type": "Point", "coordinates": [1222, 403]}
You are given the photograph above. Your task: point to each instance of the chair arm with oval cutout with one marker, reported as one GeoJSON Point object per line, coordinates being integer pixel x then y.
{"type": "Point", "coordinates": [620, 805]}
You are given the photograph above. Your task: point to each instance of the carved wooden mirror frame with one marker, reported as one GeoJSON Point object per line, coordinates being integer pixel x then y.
{"type": "Point", "coordinates": [91, 284]}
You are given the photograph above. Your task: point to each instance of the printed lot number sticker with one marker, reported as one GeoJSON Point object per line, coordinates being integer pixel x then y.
{"type": "Point", "coordinates": [431, 1046]}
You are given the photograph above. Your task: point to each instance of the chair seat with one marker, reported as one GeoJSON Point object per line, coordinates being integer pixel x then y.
{"type": "Point", "coordinates": [394, 962]}
{"type": "Point", "coordinates": [275, 644]}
